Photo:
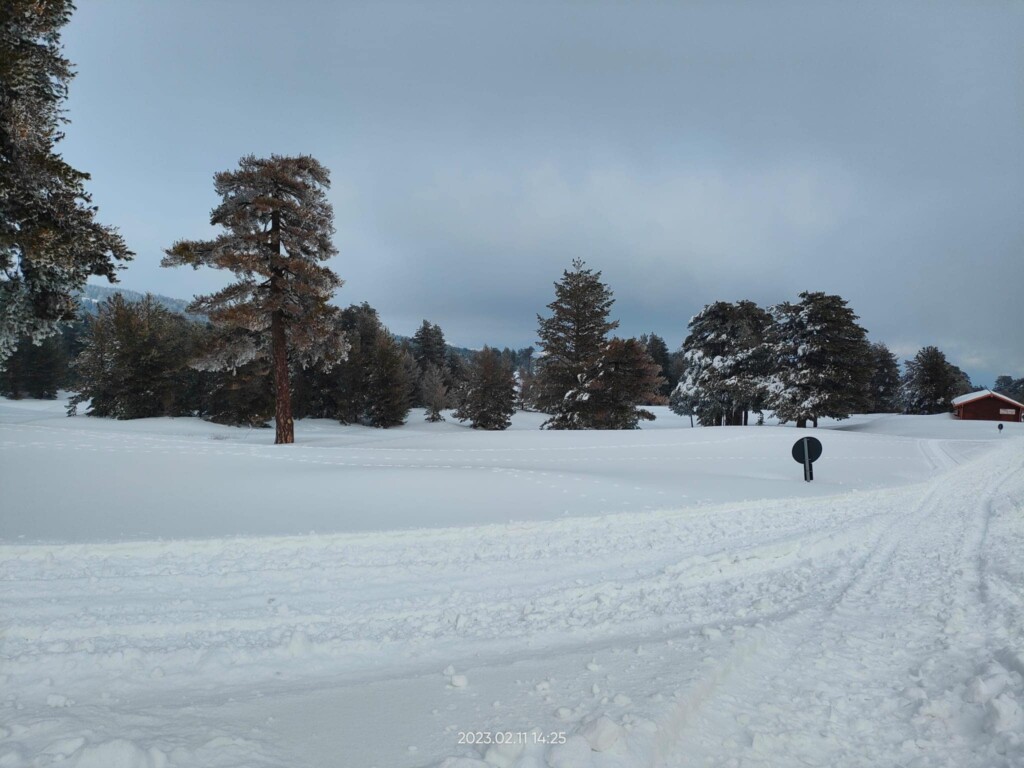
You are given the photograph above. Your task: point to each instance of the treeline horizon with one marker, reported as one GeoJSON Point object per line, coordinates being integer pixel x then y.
{"type": "Point", "coordinates": [153, 372]}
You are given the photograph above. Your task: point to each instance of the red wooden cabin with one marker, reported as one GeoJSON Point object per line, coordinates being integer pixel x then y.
{"type": "Point", "coordinates": [988, 406]}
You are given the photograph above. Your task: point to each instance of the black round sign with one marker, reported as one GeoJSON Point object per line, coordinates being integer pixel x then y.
{"type": "Point", "coordinates": [813, 449]}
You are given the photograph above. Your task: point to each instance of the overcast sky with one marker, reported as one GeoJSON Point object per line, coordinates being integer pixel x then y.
{"type": "Point", "coordinates": [692, 152]}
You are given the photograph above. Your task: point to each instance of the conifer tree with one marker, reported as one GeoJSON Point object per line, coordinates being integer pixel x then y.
{"type": "Point", "coordinates": [525, 359]}
{"type": "Point", "coordinates": [961, 381]}
{"type": "Point", "coordinates": [930, 382]}
{"type": "Point", "coordinates": [135, 363]}
{"type": "Point", "coordinates": [884, 386]}
{"type": "Point", "coordinates": [278, 226]}
{"type": "Point", "coordinates": [390, 390]}
{"type": "Point", "coordinates": [35, 369]}
{"type": "Point", "coordinates": [1009, 386]}
{"type": "Point", "coordinates": [822, 359]}
{"type": "Point", "coordinates": [428, 346]}
{"type": "Point", "coordinates": [456, 376]}
{"type": "Point", "coordinates": [312, 392]}
{"type": "Point", "coordinates": [433, 393]}
{"type": "Point", "coordinates": [242, 396]}
{"type": "Point", "coordinates": [526, 389]}
{"type": "Point", "coordinates": [351, 385]}
{"type": "Point", "coordinates": [572, 341]}
{"type": "Point", "coordinates": [624, 378]}
{"type": "Point", "coordinates": [50, 242]}
{"type": "Point", "coordinates": [658, 350]}
{"type": "Point", "coordinates": [488, 400]}
{"type": "Point", "coordinates": [684, 402]}
{"type": "Point", "coordinates": [726, 363]}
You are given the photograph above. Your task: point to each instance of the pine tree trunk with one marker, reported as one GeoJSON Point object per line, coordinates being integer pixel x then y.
{"type": "Point", "coordinates": [285, 424]}
{"type": "Point", "coordinates": [282, 388]}
{"type": "Point", "coordinates": [815, 422]}
{"type": "Point", "coordinates": [801, 423]}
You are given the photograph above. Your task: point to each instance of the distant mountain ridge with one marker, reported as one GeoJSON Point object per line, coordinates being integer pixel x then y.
{"type": "Point", "coordinates": [92, 296]}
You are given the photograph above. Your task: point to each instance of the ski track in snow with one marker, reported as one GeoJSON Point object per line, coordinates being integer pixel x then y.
{"type": "Point", "coordinates": [876, 628]}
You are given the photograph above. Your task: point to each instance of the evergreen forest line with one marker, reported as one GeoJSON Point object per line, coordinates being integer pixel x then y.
{"type": "Point", "coordinates": [133, 356]}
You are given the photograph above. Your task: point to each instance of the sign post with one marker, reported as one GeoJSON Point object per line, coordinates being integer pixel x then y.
{"type": "Point", "coordinates": [806, 451]}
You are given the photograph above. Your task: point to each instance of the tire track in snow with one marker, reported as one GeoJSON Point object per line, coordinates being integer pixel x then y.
{"type": "Point", "coordinates": [871, 642]}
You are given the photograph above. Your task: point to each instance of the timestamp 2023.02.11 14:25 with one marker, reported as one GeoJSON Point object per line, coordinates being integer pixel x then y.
{"type": "Point", "coordinates": [536, 736]}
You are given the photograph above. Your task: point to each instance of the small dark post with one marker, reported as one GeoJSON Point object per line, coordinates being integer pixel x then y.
{"type": "Point", "coordinates": [1000, 429]}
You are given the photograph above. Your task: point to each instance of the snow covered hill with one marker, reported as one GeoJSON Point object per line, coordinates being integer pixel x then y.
{"type": "Point", "coordinates": [668, 597]}
{"type": "Point", "coordinates": [91, 296]}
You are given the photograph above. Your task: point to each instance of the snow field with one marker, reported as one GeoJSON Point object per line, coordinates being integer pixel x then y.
{"type": "Point", "coordinates": [184, 478]}
{"type": "Point", "coordinates": [874, 627]}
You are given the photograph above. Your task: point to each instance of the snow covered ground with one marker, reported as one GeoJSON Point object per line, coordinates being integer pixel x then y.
{"type": "Point", "coordinates": [668, 597]}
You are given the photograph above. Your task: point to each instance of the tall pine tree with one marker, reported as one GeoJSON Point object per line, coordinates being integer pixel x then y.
{"type": "Point", "coordinates": [658, 350]}
{"type": "Point", "coordinates": [930, 382]}
{"type": "Point", "coordinates": [428, 346]}
{"type": "Point", "coordinates": [50, 242]}
{"type": "Point", "coordinates": [822, 359]}
{"type": "Point", "coordinates": [278, 227]}
{"type": "Point", "coordinates": [433, 393]}
{"type": "Point", "coordinates": [625, 378]}
{"type": "Point", "coordinates": [390, 385]}
{"type": "Point", "coordinates": [884, 386]}
{"type": "Point", "coordinates": [572, 341]}
{"type": "Point", "coordinates": [726, 364]}
{"type": "Point", "coordinates": [488, 400]}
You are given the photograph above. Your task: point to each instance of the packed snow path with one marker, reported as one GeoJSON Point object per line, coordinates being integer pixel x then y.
{"type": "Point", "coordinates": [873, 628]}
{"type": "Point", "coordinates": [912, 657]}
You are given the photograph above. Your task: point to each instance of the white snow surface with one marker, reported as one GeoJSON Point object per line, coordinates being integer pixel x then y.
{"type": "Point", "coordinates": [665, 597]}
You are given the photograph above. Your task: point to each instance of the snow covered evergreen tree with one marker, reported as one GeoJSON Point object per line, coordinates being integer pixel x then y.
{"type": "Point", "coordinates": [930, 382]}
{"type": "Point", "coordinates": [727, 364]}
{"type": "Point", "coordinates": [456, 375]}
{"type": "Point", "coordinates": [35, 370]}
{"type": "Point", "coordinates": [822, 359]}
{"type": "Point", "coordinates": [242, 396]}
{"type": "Point", "coordinates": [684, 402]}
{"type": "Point", "coordinates": [428, 346]}
{"type": "Point", "coordinates": [884, 387]}
{"type": "Point", "coordinates": [389, 387]}
{"type": "Point", "coordinates": [350, 380]}
{"type": "Point", "coordinates": [526, 389]}
{"type": "Point", "coordinates": [50, 242]}
{"type": "Point", "coordinates": [488, 400]}
{"type": "Point", "coordinates": [961, 382]}
{"type": "Point", "coordinates": [1009, 386]}
{"type": "Point", "coordinates": [572, 340]}
{"type": "Point", "coordinates": [314, 386]}
{"type": "Point", "coordinates": [135, 363]}
{"type": "Point", "coordinates": [658, 350]}
{"type": "Point", "coordinates": [373, 386]}
{"type": "Point", "coordinates": [278, 226]}
{"type": "Point", "coordinates": [625, 378]}
{"type": "Point", "coordinates": [433, 393]}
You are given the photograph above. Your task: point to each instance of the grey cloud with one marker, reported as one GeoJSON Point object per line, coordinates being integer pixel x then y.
{"type": "Point", "coordinates": [692, 152]}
